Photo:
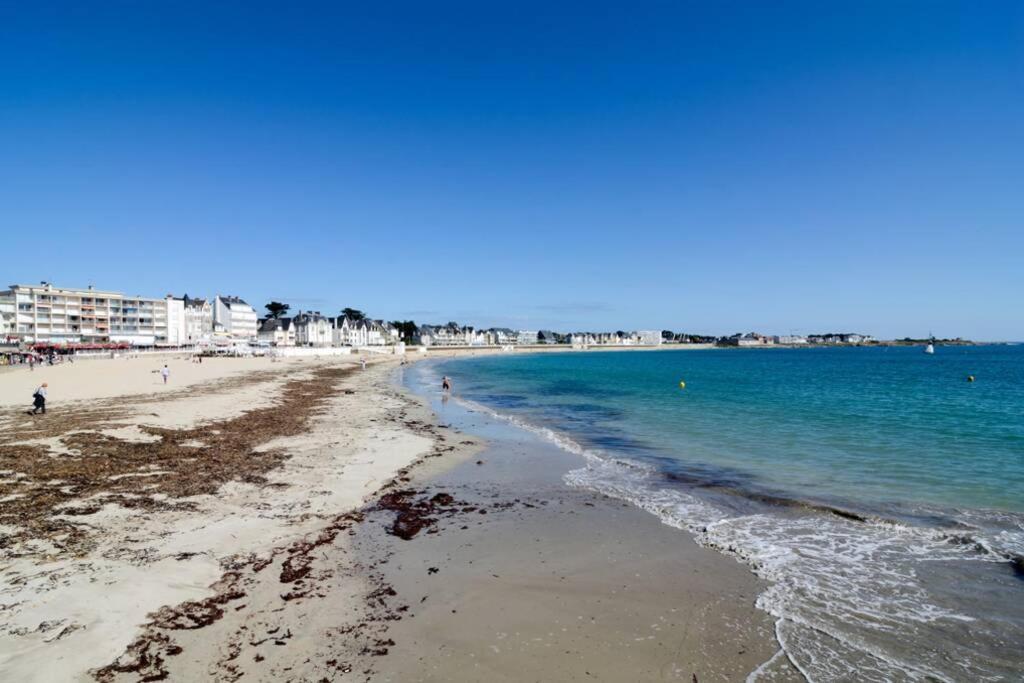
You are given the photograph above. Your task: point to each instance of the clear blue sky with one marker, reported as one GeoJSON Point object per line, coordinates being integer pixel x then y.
{"type": "Point", "coordinates": [708, 167]}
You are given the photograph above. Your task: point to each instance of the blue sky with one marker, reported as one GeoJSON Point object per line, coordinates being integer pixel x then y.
{"type": "Point", "coordinates": [710, 167]}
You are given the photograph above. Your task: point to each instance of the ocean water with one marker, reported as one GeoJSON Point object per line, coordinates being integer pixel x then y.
{"type": "Point", "coordinates": [879, 493]}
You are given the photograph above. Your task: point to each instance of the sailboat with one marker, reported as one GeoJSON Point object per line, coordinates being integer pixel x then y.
{"type": "Point", "coordinates": [930, 349]}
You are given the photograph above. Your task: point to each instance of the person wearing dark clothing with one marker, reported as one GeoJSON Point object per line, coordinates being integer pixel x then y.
{"type": "Point", "coordinates": [39, 400]}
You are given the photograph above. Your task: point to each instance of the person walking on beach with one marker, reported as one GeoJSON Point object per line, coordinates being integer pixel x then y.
{"type": "Point", "coordinates": [362, 361]}
{"type": "Point", "coordinates": [39, 399]}
{"type": "Point", "coordinates": [165, 373]}
{"type": "Point", "coordinates": [446, 384]}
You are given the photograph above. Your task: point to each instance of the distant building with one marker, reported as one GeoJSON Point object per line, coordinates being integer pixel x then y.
{"type": "Point", "coordinates": [312, 329]}
{"type": "Point", "coordinates": [526, 337]}
{"type": "Point", "coordinates": [350, 332]}
{"type": "Point", "coordinates": [177, 333]}
{"type": "Point", "coordinates": [841, 338]}
{"type": "Point", "coordinates": [501, 336]}
{"type": "Point", "coordinates": [376, 333]}
{"type": "Point", "coordinates": [451, 334]}
{"type": "Point", "coordinates": [234, 317]}
{"type": "Point", "coordinates": [547, 337]}
{"type": "Point", "coordinates": [649, 337]}
{"type": "Point", "coordinates": [198, 320]}
{"type": "Point", "coordinates": [277, 332]}
{"type": "Point", "coordinates": [791, 339]}
{"type": "Point", "coordinates": [392, 335]}
{"type": "Point", "coordinates": [7, 317]}
{"type": "Point", "coordinates": [748, 339]}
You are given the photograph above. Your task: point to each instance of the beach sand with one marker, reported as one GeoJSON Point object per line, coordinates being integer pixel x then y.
{"type": "Point", "coordinates": [306, 520]}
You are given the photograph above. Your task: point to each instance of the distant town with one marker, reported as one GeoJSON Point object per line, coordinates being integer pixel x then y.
{"type": "Point", "coordinates": [46, 317]}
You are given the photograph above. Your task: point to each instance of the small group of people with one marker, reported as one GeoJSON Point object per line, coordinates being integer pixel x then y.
{"type": "Point", "coordinates": [34, 359]}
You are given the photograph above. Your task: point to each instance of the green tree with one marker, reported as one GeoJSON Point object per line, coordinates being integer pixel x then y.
{"type": "Point", "coordinates": [277, 309]}
{"type": "Point", "coordinates": [353, 314]}
{"type": "Point", "coordinates": [406, 329]}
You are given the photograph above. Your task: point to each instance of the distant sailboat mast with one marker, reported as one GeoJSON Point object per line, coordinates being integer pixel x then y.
{"type": "Point", "coordinates": [930, 348]}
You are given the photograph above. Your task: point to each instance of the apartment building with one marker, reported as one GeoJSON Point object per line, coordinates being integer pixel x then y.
{"type": "Point", "coordinates": [48, 314]}
{"type": "Point", "coordinates": [234, 317]}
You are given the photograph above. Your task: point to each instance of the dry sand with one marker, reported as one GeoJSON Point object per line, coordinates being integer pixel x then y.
{"type": "Point", "coordinates": [89, 553]}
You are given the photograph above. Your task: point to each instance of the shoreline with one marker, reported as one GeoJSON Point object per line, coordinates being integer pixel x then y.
{"type": "Point", "coordinates": [561, 583]}
{"type": "Point", "coordinates": [188, 584]}
{"type": "Point", "coordinates": [818, 558]}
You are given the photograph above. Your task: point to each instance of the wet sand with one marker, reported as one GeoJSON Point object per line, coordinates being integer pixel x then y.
{"type": "Point", "coordinates": [555, 583]}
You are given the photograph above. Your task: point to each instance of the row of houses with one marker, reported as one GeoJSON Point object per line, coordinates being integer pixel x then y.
{"type": "Point", "coordinates": [313, 329]}
{"type": "Point", "coordinates": [755, 339]}
{"type": "Point", "coordinates": [453, 334]}
{"type": "Point", "coordinates": [65, 316]}
{"type": "Point", "coordinates": [47, 314]}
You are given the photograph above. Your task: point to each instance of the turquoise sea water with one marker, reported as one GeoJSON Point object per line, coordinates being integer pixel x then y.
{"type": "Point", "coordinates": [879, 492]}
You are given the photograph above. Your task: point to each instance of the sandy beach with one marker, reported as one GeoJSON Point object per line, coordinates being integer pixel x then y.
{"type": "Point", "coordinates": [308, 520]}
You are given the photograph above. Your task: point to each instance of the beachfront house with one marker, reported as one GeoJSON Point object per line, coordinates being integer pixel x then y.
{"type": "Point", "coordinates": [350, 332]}
{"type": "Point", "coordinates": [451, 334]}
{"type": "Point", "coordinates": [791, 339]}
{"type": "Point", "coordinates": [648, 337]}
{"type": "Point", "coordinates": [547, 337]}
{"type": "Point", "coordinates": [526, 337]}
{"type": "Point", "coordinates": [277, 332]}
{"type": "Point", "coordinates": [234, 318]}
{"type": "Point", "coordinates": [392, 335]}
{"type": "Point", "coordinates": [198, 320]}
{"type": "Point", "coordinates": [376, 334]}
{"type": "Point", "coordinates": [500, 336]}
{"type": "Point", "coordinates": [312, 329]}
{"type": "Point", "coordinates": [840, 338]}
{"type": "Point", "coordinates": [606, 338]}
{"type": "Point", "coordinates": [748, 339]}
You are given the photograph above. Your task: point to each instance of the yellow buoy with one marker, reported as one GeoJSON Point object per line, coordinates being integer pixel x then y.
{"type": "Point", "coordinates": [682, 384]}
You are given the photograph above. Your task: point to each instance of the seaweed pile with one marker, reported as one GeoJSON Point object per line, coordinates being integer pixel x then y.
{"type": "Point", "coordinates": [44, 492]}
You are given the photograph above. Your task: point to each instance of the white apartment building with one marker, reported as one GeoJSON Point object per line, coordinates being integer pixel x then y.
{"type": "Point", "coordinates": [47, 314]}
{"type": "Point", "coordinates": [234, 317]}
{"type": "Point", "coordinates": [312, 329]}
